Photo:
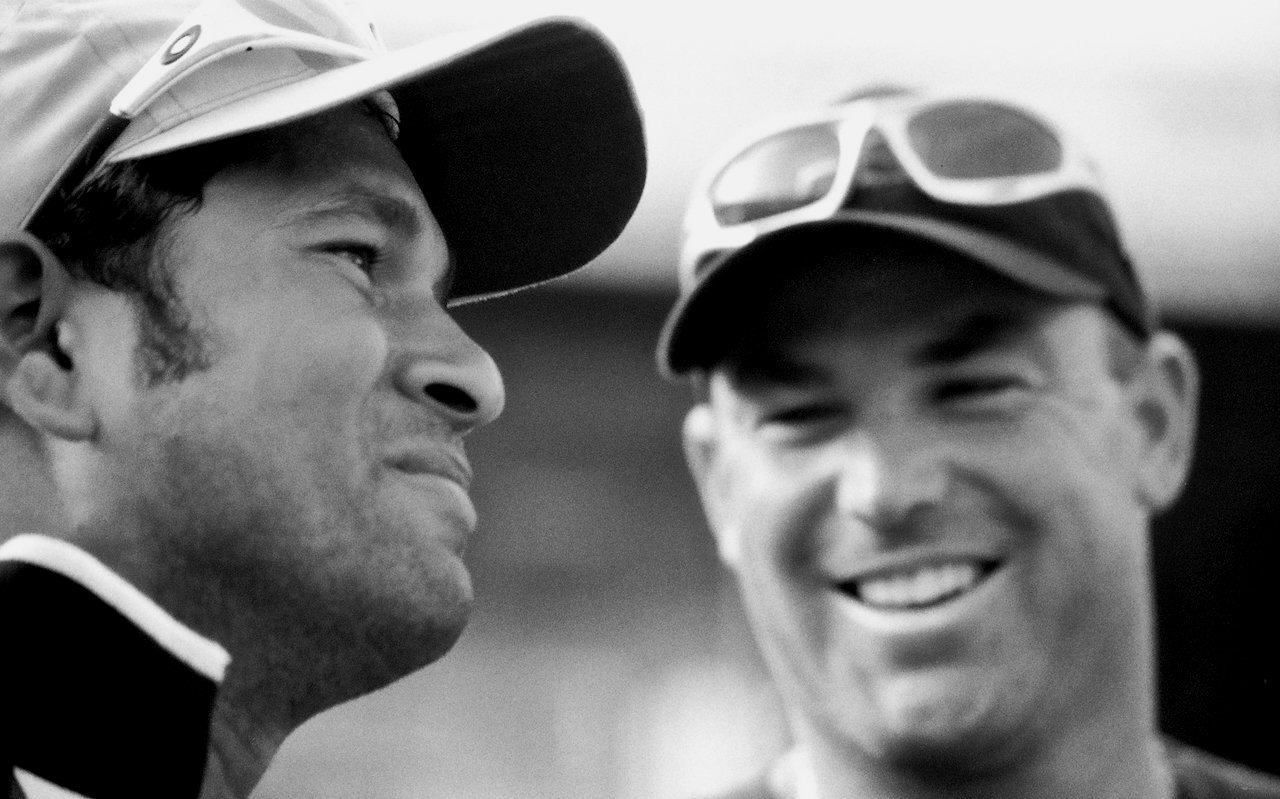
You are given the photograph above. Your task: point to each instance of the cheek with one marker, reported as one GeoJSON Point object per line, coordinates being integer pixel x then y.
{"type": "Point", "coordinates": [1073, 497]}
{"type": "Point", "coordinates": [773, 504]}
{"type": "Point", "coordinates": [321, 365]}
{"type": "Point", "coordinates": [777, 508]}
{"type": "Point", "coordinates": [1067, 457]}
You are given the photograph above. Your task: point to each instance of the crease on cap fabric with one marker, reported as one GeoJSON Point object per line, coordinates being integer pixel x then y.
{"type": "Point", "coordinates": [60, 65]}
{"type": "Point", "coordinates": [538, 160]}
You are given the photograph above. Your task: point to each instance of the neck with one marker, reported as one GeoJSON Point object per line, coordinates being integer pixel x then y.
{"type": "Point", "coordinates": [241, 745]}
{"type": "Point", "coordinates": [29, 502]}
{"type": "Point", "coordinates": [277, 679]}
{"type": "Point", "coordinates": [1116, 763]}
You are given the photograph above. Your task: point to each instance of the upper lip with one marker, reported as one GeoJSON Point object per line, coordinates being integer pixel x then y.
{"type": "Point", "coordinates": [914, 560]}
{"type": "Point", "coordinates": [436, 458]}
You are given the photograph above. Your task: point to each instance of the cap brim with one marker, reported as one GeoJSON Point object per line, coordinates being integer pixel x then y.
{"type": "Point", "coordinates": [684, 344]}
{"type": "Point", "coordinates": [528, 144]}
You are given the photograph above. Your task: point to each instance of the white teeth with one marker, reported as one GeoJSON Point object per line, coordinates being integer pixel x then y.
{"type": "Point", "coordinates": [920, 587]}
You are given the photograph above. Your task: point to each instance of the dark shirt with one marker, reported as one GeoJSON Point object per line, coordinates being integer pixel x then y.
{"type": "Point", "coordinates": [101, 691]}
{"type": "Point", "coordinates": [1198, 775]}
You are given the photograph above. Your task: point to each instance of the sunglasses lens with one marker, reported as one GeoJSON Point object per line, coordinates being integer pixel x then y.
{"type": "Point", "coordinates": [783, 172]}
{"type": "Point", "coordinates": [968, 140]}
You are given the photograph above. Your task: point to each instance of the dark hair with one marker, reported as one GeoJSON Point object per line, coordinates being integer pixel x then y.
{"type": "Point", "coordinates": [111, 231]}
{"type": "Point", "coordinates": [1125, 350]}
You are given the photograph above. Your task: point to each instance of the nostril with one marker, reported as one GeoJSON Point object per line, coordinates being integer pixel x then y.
{"type": "Point", "coordinates": [452, 397]}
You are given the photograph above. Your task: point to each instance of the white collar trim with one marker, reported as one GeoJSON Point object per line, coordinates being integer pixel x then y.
{"type": "Point", "coordinates": [794, 777]}
{"type": "Point", "coordinates": [200, 653]}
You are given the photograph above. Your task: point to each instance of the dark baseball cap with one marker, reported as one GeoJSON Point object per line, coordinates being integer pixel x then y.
{"type": "Point", "coordinates": [981, 178]}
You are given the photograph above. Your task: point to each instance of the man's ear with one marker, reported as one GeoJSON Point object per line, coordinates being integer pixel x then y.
{"type": "Point", "coordinates": [36, 373]}
{"type": "Point", "coordinates": [1167, 400]}
{"type": "Point", "coordinates": [702, 453]}
{"type": "Point", "coordinates": [33, 293]}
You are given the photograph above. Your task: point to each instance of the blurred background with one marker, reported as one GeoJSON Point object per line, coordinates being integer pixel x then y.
{"type": "Point", "coordinates": [608, 655]}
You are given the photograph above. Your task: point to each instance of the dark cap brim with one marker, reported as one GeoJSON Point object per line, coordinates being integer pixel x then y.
{"type": "Point", "coordinates": [683, 345]}
{"type": "Point", "coordinates": [530, 152]}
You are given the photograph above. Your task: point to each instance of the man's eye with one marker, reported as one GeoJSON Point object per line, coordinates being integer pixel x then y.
{"type": "Point", "coordinates": [801, 415]}
{"type": "Point", "coordinates": [978, 388]}
{"type": "Point", "coordinates": [362, 256]}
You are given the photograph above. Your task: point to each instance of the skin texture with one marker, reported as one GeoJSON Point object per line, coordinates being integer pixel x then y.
{"type": "Point", "coordinates": [302, 497]}
{"type": "Point", "coordinates": [939, 414]}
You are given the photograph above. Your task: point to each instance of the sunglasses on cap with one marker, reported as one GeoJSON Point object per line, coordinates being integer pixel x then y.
{"type": "Point", "coordinates": [961, 151]}
{"type": "Point", "coordinates": [985, 180]}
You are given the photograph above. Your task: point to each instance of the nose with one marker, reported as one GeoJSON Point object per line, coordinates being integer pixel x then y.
{"type": "Point", "coordinates": [885, 480]}
{"type": "Point", "coordinates": [440, 366]}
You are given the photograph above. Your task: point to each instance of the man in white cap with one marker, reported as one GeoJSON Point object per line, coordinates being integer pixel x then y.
{"type": "Point", "coordinates": [235, 491]}
{"type": "Point", "coordinates": [936, 417]}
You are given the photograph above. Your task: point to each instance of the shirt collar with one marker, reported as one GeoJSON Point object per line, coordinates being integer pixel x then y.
{"type": "Point", "coordinates": [793, 776]}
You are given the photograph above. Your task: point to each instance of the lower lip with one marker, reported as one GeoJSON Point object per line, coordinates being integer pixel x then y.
{"type": "Point", "coordinates": [425, 488]}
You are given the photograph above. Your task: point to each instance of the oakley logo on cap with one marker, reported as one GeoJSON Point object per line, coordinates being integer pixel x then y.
{"type": "Point", "coordinates": [181, 45]}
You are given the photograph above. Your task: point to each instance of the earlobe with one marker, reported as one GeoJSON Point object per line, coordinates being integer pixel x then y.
{"type": "Point", "coordinates": [1167, 406]}
{"type": "Point", "coordinates": [42, 393]}
{"type": "Point", "coordinates": [701, 449]}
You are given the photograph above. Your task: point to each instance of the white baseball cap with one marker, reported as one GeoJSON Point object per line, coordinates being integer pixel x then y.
{"type": "Point", "coordinates": [527, 143]}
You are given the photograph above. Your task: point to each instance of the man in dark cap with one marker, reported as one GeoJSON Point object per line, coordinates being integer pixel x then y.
{"type": "Point", "coordinates": [936, 417]}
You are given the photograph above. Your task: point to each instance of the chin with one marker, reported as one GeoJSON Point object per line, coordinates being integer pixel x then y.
{"type": "Point", "coordinates": [389, 632]}
{"type": "Point", "coordinates": [413, 628]}
{"type": "Point", "coordinates": [957, 740]}
{"type": "Point", "coordinates": [942, 756]}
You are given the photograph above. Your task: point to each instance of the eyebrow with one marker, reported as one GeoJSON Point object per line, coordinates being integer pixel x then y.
{"type": "Point", "coordinates": [762, 370]}
{"type": "Point", "coordinates": [359, 202]}
{"type": "Point", "coordinates": [393, 213]}
{"type": "Point", "coordinates": [972, 335]}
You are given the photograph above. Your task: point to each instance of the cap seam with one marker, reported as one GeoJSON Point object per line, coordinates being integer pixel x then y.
{"type": "Point", "coordinates": [45, 194]}
{"type": "Point", "coordinates": [190, 112]}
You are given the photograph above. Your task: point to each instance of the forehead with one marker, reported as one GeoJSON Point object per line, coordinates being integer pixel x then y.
{"type": "Point", "coordinates": [338, 164]}
{"type": "Point", "coordinates": [920, 295]}
{"type": "Point", "coordinates": [346, 140]}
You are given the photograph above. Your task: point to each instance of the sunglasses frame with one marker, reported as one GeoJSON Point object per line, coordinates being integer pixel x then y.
{"type": "Point", "coordinates": [852, 123]}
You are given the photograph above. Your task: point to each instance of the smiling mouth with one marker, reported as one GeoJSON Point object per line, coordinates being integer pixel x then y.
{"type": "Point", "coordinates": [919, 588]}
